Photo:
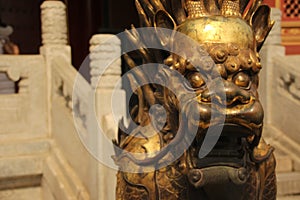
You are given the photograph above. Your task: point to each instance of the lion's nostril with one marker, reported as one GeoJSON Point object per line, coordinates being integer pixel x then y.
{"type": "Point", "coordinates": [234, 95]}
{"type": "Point", "coordinates": [238, 97]}
{"type": "Point", "coordinates": [229, 95]}
{"type": "Point", "coordinates": [239, 100]}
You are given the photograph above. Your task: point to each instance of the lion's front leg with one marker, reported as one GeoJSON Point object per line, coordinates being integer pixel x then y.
{"type": "Point", "coordinates": [269, 189]}
{"type": "Point", "coordinates": [164, 184]}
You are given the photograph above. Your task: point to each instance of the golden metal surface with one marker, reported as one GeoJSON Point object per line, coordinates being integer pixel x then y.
{"type": "Point", "coordinates": [241, 166]}
{"type": "Point", "coordinates": [214, 29]}
{"type": "Point", "coordinates": [196, 9]}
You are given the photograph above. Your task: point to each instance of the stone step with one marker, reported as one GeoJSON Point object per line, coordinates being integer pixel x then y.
{"type": "Point", "coordinates": [24, 148]}
{"type": "Point", "coordinates": [288, 183]}
{"type": "Point", "coordinates": [33, 193]}
{"type": "Point", "coordinates": [296, 165]}
{"type": "Point", "coordinates": [20, 171]}
{"type": "Point", "coordinates": [21, 166]}
{"type": "Point", "coordinates": [284, 164]}
{"type": "Point", "coordinates": [21, 163]}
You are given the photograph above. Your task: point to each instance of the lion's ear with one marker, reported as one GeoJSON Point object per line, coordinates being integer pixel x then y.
{"type": "Point", "coordinates": [163, 20]}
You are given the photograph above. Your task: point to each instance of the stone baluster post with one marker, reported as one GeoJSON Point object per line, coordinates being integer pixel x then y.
{"type": "Point", "coordinates": [105, 70]}
{"type": "Point", "coordinates": [54, 26]}
{"type": "Point", "coordinates": [271, 49]}
{"type": "Point", "coordinates": [105, 56]}
{"type": "Point", "coordinates": [54, 30]}
{"type": "Point", "coordinates": [54, 40]}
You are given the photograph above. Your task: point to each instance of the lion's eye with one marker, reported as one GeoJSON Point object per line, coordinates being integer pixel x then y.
{"type": "Point", "coordinates": [242, 79]}
{"type": "Point", "coordinates": [195, 79]}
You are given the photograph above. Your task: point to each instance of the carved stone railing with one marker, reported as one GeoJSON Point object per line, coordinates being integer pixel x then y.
{"type": "Point", "coordinates": [46, 123]}
{"type": "Point", "coordinates": [77, 107]}
{"type": "Point", "coordinates": [40, 145]}
{"type": "Point", "coordinates": [285, 105]}
{"type": "Point", "coordinates": [289, 79]}
{"type": "Point", "coordinates": [279, 94]}
{"type": "Point", "coordinates": [70, 152]}
{"type": "Point", "coordinates": [271, 49]}
{"type": "Point", "coordinates": [64, 77]}
{"type": "Point", "coordinates": [24, 113]}
{"type": "Point", "coordinates": [72, 117]}
{"type": "Point", "coordinates": [23, 126]}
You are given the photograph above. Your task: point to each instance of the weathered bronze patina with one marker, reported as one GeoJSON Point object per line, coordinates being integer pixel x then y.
{"type": "Point", "coordinates": [241, 165]}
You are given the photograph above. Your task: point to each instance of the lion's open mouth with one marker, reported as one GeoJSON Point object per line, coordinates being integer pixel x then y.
{"type": "Point", "coordinates": [230, 149]}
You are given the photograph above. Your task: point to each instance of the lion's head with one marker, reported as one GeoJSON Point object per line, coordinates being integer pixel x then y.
{"type": "Point", "coordinates": [221, 72]}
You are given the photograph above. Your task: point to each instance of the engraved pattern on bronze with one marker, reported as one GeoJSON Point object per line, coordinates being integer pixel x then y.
{"type": "Point", "coordinates": [241, 165]}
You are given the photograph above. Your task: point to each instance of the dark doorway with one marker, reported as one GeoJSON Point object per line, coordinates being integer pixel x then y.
{"type": "Point", "coordinates": [88, 17]}
{"type": "Point", "coordinates": [85, 18]}
{"type": "Point", "coordinates": [24, 17]}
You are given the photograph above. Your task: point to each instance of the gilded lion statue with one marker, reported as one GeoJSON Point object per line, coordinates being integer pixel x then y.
{"type": "Point", "coordinates": [210, 147]}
